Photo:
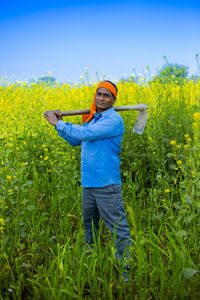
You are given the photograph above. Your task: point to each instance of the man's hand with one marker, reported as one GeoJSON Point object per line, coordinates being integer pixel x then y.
{"type": "Point", "coordinates": [51, 117]}
{"type": "Point", "coordinates": [57, 112]}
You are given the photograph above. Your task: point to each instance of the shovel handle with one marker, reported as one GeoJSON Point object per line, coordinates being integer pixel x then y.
{"type": "Point", "coordinates": [140, 106]}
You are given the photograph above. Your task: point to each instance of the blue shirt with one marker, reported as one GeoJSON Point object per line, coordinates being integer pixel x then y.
{"type": "Point", "coordinates": [100, 141]}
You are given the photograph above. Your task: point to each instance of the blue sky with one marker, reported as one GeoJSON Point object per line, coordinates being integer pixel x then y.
{"type": "Point", "coordinates": [111, 37]}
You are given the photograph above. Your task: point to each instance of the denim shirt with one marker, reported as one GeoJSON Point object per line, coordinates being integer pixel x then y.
{"type": "Point", "coordinates": [100, 141]}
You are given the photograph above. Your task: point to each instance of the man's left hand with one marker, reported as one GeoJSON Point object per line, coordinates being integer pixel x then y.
{"type": "Point", "coordinates": [51, 117]}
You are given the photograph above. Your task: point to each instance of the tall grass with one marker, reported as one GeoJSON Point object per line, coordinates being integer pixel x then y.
{"type": "Point", "coordinates": [42, 252]}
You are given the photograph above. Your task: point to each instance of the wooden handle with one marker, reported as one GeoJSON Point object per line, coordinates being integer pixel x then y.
{"type": "Point", "coordinates": [140, 106]}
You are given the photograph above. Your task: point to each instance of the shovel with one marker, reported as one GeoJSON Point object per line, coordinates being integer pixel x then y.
{"type": "Point", "coordinates": [141, 117]}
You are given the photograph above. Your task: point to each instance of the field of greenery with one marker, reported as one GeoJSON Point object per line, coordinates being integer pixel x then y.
{"type": "Point", "coordinates": [42, 253]}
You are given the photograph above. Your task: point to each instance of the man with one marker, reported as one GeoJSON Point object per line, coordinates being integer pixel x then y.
{"type": "Point", "coordinates": [100, 139]}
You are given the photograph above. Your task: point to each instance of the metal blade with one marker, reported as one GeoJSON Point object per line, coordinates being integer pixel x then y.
{"type": "Point", "coordinates": [141, 119]}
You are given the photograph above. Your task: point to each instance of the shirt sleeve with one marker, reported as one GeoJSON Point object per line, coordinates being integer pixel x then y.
{"type": "Point", "coordinates": [71, 140]}
{"type": "Point", "coordinates": [106, 128]}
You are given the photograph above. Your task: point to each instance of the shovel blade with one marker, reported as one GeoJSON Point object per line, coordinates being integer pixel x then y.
{"type": "Point", "coordinates": [141, 121]}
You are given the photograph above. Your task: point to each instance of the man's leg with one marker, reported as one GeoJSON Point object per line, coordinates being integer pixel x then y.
{"type": "Point", "coordinates": [110, 205]}
{"type": "Point", "coordinates": [90, 215]}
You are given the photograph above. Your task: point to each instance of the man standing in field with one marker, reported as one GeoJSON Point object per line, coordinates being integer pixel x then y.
{"type": "Point", "coordinates": [100, 139]}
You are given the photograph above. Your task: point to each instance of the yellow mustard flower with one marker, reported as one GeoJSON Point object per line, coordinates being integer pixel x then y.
{"type": "Point", "coordinates": [167, 191]}
{"type": "Point", "coordinates": [173, 142]}
{"type": "Point", "coordinates": [2, 221]}
{"type": "Point", "coordinates": [196, 116]}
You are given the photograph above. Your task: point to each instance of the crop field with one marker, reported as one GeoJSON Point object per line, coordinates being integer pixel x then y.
{"type": "Point", "coordinates": [42, 252]}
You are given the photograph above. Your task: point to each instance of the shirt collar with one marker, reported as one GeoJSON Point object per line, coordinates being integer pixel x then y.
{"type": "Point", "coordinates": [106, 112]}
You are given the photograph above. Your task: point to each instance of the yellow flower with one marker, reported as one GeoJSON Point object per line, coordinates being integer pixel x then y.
{"type": "Point", "coordinates": [178, 146]}
{"type": "Point", "coordinates": [8, 177]}
{"type": "Point", "coordinates": [196, 116]}
{"type": "Point", "coordinates": [167, 191]}
{"type": "Point", "coordinates": [2, 221]}
{"type": "Point", "coordinates": [10, 191]}
{"type": "Point", "coordinates": [173, 143]}
{"type": "Point", "coordinates": [46, 158]}
{"type": "Point", "coordinates": [188, 138]}
{"type": "Point", "coordinates": [179, 162]}
{"type": "Point", "coordinates": [186, 146]}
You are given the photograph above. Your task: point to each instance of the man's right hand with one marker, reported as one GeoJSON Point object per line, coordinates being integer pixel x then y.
{"type": "Point", "coordinates": [57, 112]}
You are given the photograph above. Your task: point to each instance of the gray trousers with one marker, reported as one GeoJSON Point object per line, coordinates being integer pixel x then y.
{"type": "Point", "coordinates": [106, 202]}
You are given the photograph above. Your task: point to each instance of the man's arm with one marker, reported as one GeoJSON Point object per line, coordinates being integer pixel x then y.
{"type": "Point", "coordinates": [106, 128]}
{"type": "Point", "coordinates": [71, 140]}
{"type": "Point", "coordinates": [53, 117]}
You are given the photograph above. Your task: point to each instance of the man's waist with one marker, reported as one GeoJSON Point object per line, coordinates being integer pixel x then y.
{"type": "Point", "coordinates": [96, 179]}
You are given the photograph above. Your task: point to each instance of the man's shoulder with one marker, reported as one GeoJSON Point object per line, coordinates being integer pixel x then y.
{"type": "Point", "coordinates": [116, 116]}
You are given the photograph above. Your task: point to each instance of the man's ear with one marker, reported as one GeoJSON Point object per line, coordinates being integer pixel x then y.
{"type": "Point", "coordinates": [114, 100]}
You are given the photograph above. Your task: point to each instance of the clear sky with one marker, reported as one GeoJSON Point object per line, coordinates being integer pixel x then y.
{"type": "Point", "coordinates": [111, 37]}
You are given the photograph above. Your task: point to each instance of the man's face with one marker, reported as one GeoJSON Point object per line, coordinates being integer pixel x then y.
{"type": "Point", "coordinates": [104, 99]}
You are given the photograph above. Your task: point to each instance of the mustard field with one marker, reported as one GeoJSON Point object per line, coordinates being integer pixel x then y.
{"type": "Point", "coordinates": [42, 254]}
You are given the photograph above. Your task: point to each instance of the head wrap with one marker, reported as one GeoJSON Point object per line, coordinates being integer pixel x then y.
{"type": "Point", "coordinates": [93, 109]}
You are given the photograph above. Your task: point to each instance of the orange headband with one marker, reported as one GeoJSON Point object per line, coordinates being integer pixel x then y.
{"type": "Point", "coordinates": [109, 86]}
